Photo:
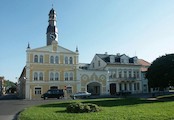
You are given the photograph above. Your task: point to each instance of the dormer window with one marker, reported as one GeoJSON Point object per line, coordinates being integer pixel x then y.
{"type": "Point", "coordinates": [93, 65]}
{"type": "Point", "coordinates": [99, 63]}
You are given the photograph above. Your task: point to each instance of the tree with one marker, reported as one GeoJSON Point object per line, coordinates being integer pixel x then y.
{"type": "Point", "coordinates": [161, 72]}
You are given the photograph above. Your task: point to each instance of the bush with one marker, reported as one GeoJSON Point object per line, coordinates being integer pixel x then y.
{"type": "Point", "coordinates": [82, 108]}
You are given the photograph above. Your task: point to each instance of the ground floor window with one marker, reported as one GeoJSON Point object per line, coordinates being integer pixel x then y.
{"type": "Point", "coordinates": [135, 87]}
{"type": "Point", "coordinates": [120, 86]}
{"type": "Point", "coordinates": [130, 86]}
{"type": "Point", "coordinates": [37, 91]}
{"type": "Point", "coordinates": [138, 86]}
{"type": "Point", "coordinates": [69, 90]}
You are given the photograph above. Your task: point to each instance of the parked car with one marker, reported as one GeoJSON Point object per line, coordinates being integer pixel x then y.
{"type": "Point", "coordinates": [53, 93]}
{"type": "Point", "coordinates": [80, 95]}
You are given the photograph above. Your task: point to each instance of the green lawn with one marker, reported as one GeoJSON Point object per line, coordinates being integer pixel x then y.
{"type": "Point", "coordinates": [112, 109]}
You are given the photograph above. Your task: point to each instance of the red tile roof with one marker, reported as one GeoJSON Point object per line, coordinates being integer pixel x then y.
{"type": "Point", "coordinates": [143, 62]}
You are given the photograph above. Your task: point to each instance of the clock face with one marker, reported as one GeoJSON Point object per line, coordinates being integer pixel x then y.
{"type": "Point", "coordinates": [53, 36]}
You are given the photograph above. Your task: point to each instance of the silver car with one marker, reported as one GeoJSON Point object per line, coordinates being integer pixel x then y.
{"type": "Point", "coordinates": [80, 95]}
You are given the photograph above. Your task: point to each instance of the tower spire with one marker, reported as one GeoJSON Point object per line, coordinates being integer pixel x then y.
{"type": "Point", "coordinates": [52, 31]}
{"type": "Point", "coordinates": [28, 47]}
{"type": "Point", "coordinates": [77, 49]}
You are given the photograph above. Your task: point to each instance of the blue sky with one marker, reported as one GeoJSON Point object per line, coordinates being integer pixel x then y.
{"type": "Point", "coordinates": [144, 28]}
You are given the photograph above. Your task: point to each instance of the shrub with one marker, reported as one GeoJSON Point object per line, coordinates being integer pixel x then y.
{"type": "Point", "coordinates": [82, 108]}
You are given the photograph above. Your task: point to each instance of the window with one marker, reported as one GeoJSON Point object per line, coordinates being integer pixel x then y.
{"type": "Point", "coordinates": [120, 74]}
{"type": "Point", "coordinates": [125, 86]}
{"type": "Point", "coordinates": [93, 65]}
{"type": "Point", "coordinates": [71, 76]}
{"type": "Point", "coordinates": [138, 86]}
{"type": "Point", "coordinates": [99, 63]}
{"type": "Point", "coordinates": [41, 76]}
{"type": "Point", "coordinates": [125, 74]}
{"type": "Point", "coordinates": [69, 90]}
{"type": "Point", "coordinates": [52, 59]}
{"type": "Point", "coordinates": [114, 74]}
{"type": "Point", "coordinates": [36, 59]}
{"type": "Point", "coordinates": [130, 74]}
{"type": "Point", "coordinates": [130, 86]}
{"type": "Point", "coordinates": [135, 87]}
{"type": "Point", "coordinates": [66, 76]}
{"type": "Point", "coordinates": [41, 59]}
{"type": "Point", "coordinates": [35, 76]}
{"type": "Point", "coordinates": [57, 76]}
{"type": "Point", "coordinates": [51, 76]}
{"type": "Point", "coordinates": [122, 60]}
{"type": "Point", "coordinates": [137, 74]}
{"type": "Point", "coordinates": [57, 60]}
{"type": "Point", "coordinates": [120, 87]}
{"type": "Point", "coordinates": [134, 74]}
{"type": "Point", "coordinates": [37, 91]}
{"type": "Point", "coordinates": [70, 60]}
{"type": "Point", "coordinates": [66, 60]}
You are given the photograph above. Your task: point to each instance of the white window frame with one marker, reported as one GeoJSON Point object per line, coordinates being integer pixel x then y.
{"type": "Point", "coordinates": [57, 59]}
{"type": "Point", "coordinates": [66, 60]}
{"type": "Point", "coordinates": [51, 76]}
{"type": "Point", "coordinates": [36, 60]}
{"type": "Point", "coordinates": [52, 59]}
{"type": "Point", "coordinates": [69, 91]}
{"type": "Point", "coordinates": [57, 77]}
{"type": "Point", "coordinates": [66, 76]}
{"type": "Point", "coordinates": [41, 59]}
{"type": "Point", "coordinates": [37, 92]}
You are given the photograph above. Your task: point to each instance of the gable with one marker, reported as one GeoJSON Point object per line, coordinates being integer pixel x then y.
{"type": "Point", "coordinates": [49, 48]}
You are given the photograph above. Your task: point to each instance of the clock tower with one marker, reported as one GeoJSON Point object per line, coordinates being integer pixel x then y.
{"type": "Point", "coordinates": [52, 31]}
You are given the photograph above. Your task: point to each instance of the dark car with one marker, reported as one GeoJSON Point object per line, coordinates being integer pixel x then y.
{"type": "Point", "coordinates": [53, 93]}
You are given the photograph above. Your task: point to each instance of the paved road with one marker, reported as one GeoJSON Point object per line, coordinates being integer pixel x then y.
{"type": "Point", "coordinates": [11, 107]}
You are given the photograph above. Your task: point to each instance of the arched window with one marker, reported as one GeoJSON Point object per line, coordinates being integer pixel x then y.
{"type": "Point", "coordinates": [57, 60]}
{"type": "Point", "coordinates": [66, 76]}
{"type": "Point", "coordinates": [70, 60]}
{"type": "Point", "coordinates": [36, 59]}
{"type": "Point", "coordinates": [66, 60]}
{"type": "Point", "coordinates": [57, 76]}
{"type": "Point", "coordinates": [40, 76]}
{"type": "Point", "coordinates": [52, 59]}
{"type": "Point", "coordinates": [41, 59]}
{"type": "Point", "coordinates": [35, 76]}
{"type": "Point", "coordinates": [51, 76]}
{"type": "Point", "coordinates": [71, 76]}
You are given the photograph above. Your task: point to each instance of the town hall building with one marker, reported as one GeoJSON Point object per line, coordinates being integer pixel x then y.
{"type": "Point", "coordinates": [55, 67]}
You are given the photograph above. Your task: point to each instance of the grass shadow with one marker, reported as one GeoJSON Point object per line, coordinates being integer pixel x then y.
{"type": "Point", "coordinates": [62, 111]}
{"type": "Point", "coordinates": [111, 102]}
{"type": "Point", "coordinates": [120, 102]}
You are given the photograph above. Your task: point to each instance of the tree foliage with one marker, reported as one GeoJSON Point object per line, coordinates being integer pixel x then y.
{"type": "Point", "coordinates": [161, 72]}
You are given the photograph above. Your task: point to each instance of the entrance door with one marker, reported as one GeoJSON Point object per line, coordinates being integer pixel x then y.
{"type": "Point", "coordinates": [94, 88]}
{"type": "Point", "coordinates": [113, 88]}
